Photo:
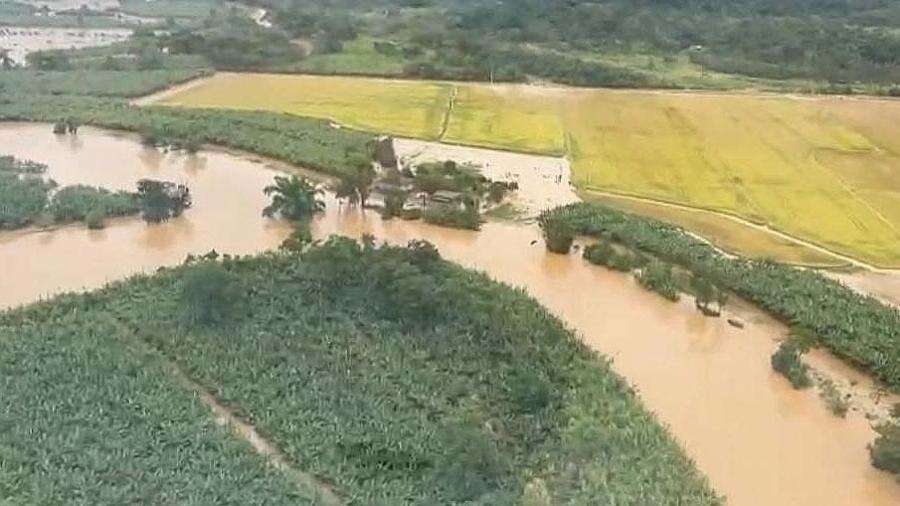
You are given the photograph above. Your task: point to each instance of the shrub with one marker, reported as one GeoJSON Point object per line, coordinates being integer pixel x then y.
{"type": "Point", "coordinates": [885, 451]}
{"type": "Point", "coordinates": [161, 200]}
{"type": "Point", "coordinates": [449, 216]}
{"type": "Point", "coordinates": [833, 398]}
{"type": "Point", "coordinates": [470, 466]}
{"type": "Point", "coordinates": [558, 236]}
{"type": "Point", "coordinates": [658, 277]}
{"type": "Point", "coordinates": [786, 361]}
{"type": "Point", "coordinates": [606, 255]}
{"type": "Point", "coordinates": [74, 203]}
{"type": "Point", "coordinates": [210, 294]}
{"type": "Point", "coordinates": [393, 203]}
{"type": "Point", "coordinates": [96, 218]}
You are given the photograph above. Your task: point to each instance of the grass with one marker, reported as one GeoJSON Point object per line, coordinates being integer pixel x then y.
{"type": "Point", "coordinates": [820, 169]}
{"type": "Point", "coordinates": [726, 234]}
{"type": "Point", "coordinates": [109, 83]}
{"type": "Point", "coordinates": [404, 108]}
{"type": "Point", "coordinates": [357, 57]}
{"type": "Point", "coordinates": [391, 375]}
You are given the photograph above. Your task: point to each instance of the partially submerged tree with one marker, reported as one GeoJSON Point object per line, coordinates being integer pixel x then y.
{"type": "Point", "coordinates": [162, 200]}
{"type": "Point", "coordinates": [708, 298]}
{"type": "Point", "coordinates": [294, 198]}
{"type": "Point", "coordinates": [558, 235]}
{"type": "Point", "coordinates": [355, 184]}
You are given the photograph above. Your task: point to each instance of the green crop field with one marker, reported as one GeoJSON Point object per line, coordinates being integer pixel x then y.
{"type": "Point", "coordinates": [825, 170]}
{"type": "Point", "coordinates": [88, 418]}
{"type": "Point", "coordinates": [392, 376]}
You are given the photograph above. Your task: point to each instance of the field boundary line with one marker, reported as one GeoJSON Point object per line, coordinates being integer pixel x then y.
{"type": "Point", "coordinates": [762, 228]}
{"type": "Point", "coordinates": [170, 91]}
{"type": "Point", "coordinates": [448, 114]}
{"type": "Point", "coordinates": [223, 416]}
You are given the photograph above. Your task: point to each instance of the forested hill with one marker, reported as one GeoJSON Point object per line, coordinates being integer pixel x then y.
{"type": "Point", "coordinates": [613, 42]}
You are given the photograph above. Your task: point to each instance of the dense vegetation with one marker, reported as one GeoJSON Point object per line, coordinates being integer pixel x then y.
{"type": "Point", "coordinates": [385, 372]}
{"type": "Point", "coordinates": [857, 328]}
{"type": "Point", "coordinates": [26, 198]}
{"type": "Point", "coordinates": [304, 142]}
{"type": "Point", "coordinates": [161, 201]}
{"type": "Point", "coordinates": [832, 46]}
{"type": "Point", "coordinates": [89, 418]}
{"type": "Point", "coordinates": [609, 42]}
{"type": "Point", "coordinates": [23, 192]}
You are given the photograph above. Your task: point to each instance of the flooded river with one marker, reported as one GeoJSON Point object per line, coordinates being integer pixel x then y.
{"type": "Point", "coordinates": [758, 440]}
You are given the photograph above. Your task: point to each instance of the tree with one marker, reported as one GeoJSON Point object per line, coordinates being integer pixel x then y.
{"type": "Point", "coordinates": [558, 235]}
{"type": "Point", "coordinates": [210, 294]}
{"type": "Point", "coordinates": [293, 198]}
{"type": "Point", "coordinates": [355, 184]}
{"type": "Point", "coordinates": [162, 200]}
{"type": "Point", "coordinates": [705, 293]}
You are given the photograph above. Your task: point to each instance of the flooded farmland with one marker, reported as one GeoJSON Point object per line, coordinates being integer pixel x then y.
{"type": "Point", "coordinates": [759, 441]}
{"type": "Point", "coordinates": [20, 41]}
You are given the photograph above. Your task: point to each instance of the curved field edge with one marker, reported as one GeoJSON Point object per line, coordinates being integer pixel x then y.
{"type": "Point", "coordinates": [730, 233]}
{"type": "Point", "coordinates": [855, 327]}
{"type": "Point", "coordinates": [391, 374]}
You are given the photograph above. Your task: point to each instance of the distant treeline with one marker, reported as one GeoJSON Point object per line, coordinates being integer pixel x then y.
{"type": "Point", "coordinates": [835, 40]}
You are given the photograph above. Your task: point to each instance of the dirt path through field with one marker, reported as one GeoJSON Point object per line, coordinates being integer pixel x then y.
{"type": "Point", "coordinates": [309, 484]}
{"type": "Point", "coordinates": [171, 91]}
{"type": "Point", "coordinates": [448, 113]}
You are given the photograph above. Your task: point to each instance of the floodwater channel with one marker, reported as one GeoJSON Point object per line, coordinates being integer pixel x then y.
{"type": "Point", "coordinates": [758, 440]}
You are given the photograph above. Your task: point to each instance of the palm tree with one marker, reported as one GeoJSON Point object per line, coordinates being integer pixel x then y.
{"type": "Point", "coordinates": [293, 198]}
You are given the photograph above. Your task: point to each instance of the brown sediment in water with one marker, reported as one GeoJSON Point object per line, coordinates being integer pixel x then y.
{"type": "Point", "coordinates": [227, 191]}
{"type": "Point", "coordinates": [759, 441]}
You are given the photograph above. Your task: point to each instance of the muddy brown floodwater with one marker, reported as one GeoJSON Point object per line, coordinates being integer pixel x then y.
{"type": "Point", "coordinates": [758, 440]}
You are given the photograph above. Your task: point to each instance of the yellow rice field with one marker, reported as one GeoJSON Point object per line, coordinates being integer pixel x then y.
{"type": "Point", "coordinates": [725, 233]}
{"type": "Point", "coordinates": [826, 170]}
{"type": "Point", "coordinates": [518, 118]}
{"type": "Point", "coordinates": [403, 108]}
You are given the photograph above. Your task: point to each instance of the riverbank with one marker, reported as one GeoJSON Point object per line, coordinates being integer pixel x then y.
{"type": "Point", "coordinates": [704, 379]}
{"type": "Point", "coordinates": [817, 169]}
